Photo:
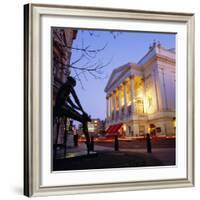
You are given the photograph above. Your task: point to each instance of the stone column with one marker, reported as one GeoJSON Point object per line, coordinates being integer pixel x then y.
{"type": "Point", "coordinates": [107, 107]}
{"type": "Point", "coordinates": [114, 105]}
{"type": "Point", "coordinates": [132, 93]}
{"type": "Point", "coordinates": [162, 87]}
{"type": "Point", "coordinates": [119, 111]}
{"type": "Point", "coordinates": [125, 102]}
{"type": "Point", "coordinates": [110, 106]}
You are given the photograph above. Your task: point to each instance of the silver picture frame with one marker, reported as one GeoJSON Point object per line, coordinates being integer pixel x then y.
{"type": "Point", "coordinates": [32, 100]}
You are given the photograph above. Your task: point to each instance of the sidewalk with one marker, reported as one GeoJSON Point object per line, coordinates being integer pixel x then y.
{"type": "Point", "coordinates": [106, 157]}
{"type": "Point", "coordinates": [80, 150]}
{"type": "Point", "coordinates": [165, 155]}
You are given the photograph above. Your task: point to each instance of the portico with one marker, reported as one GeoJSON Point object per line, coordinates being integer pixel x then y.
{"type": "Point", "coordinates": [143, 95]}
{"type": "Point", "coordinates": [122, 104]}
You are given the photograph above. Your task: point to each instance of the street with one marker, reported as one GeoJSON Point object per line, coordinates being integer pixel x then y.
{"type": "Point", "coordinates": [131, 154]}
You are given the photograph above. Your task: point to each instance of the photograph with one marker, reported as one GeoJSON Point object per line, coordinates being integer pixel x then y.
{"type": "Point", "coordinates": [113, 99]}
{"type": "Point", "coordinates": [108, 99]}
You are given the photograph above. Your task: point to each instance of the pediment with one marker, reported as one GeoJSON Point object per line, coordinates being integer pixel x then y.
{"type": "Point", "coordinates": [116, 74]}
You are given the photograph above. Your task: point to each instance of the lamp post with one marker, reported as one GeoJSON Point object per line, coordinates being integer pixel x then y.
{"type": "Point", "coordinates": [116, 143]}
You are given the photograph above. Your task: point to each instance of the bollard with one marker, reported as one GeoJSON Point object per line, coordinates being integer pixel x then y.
{"type": "Point", "coordinates": [116, 143]}
{"type": "Point", "coordinates": [76, 140]}
{"type": "Point", "coordinates": [92, 143]}
{"type": "Point", "coordinates": [88, 144]}
{"type": "Point", "coordinates": [148, 140]}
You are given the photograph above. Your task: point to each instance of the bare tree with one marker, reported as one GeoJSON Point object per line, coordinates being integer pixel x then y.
{"type": "Point", "coordinates": [87, 60]}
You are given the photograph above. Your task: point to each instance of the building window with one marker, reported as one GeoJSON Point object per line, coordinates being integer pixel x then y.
{"type": "Point", "coordinates": [141, 130]}
{"type": "Point", "coordinates": [128, 93]}
{"type": "Point", "coordinates": [116, 101]}
{"type": "Point", "coordinates": [121, 97]}
{"type": "Point", "coordinates": [139, 105]}
{"type": "Point", "coordinates": [158, 130]}
{"type": "Point", "coordinates": [112, 103]}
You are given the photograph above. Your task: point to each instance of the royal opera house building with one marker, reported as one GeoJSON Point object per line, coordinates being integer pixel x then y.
{"type": "Point", "coordinates": [141, 97]}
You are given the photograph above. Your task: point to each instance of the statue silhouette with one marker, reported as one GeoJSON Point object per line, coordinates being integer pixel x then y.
{"type": "Point", "coordinates": [65, 107]}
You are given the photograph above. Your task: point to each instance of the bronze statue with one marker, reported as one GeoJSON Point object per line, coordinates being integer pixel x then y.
{"type": "Point", "coordinates": [65, 107]}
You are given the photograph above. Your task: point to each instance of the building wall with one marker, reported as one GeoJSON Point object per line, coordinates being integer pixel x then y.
{"type": "Point", "coordinates": [154, 84]}
{"type": "Point", "coordinates": [151, 89]}
{"type": "Point", "coordinates": [62, 40]}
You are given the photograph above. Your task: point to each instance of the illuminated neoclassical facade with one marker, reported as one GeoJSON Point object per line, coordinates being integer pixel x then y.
{"type": "Point", "coordinates": [141, 97]}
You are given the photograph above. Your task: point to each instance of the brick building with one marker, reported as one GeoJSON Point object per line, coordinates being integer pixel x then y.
{"type": "Point", "coordinates": [62, 40]}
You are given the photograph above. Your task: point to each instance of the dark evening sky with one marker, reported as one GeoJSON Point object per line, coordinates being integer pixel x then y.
{"type": "Point", "coordinates": [125, 47]}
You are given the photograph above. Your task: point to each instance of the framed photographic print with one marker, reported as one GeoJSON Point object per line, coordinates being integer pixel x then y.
{"type": "Point", "coordinates": [108, 100]}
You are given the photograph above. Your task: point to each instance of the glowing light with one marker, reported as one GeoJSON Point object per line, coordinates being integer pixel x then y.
{"type": "Point", "coordinates": [121, 97]}
{"type": "Point", "coordinates": [174, 121]}
{"type": "Point", "coordinates": [128, 92]}
{"type": "Point", "coordinates": [124, 127]}
{"type": "Point", "coordinates": [129, 103]}
{"type": "Point", "coordinates": [117, 100]}
{"type": "Point", "coordinates": [149, 102]}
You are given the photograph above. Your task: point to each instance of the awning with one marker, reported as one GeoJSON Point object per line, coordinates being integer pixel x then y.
{"type": "Point", "coordinates": [113, 130]}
